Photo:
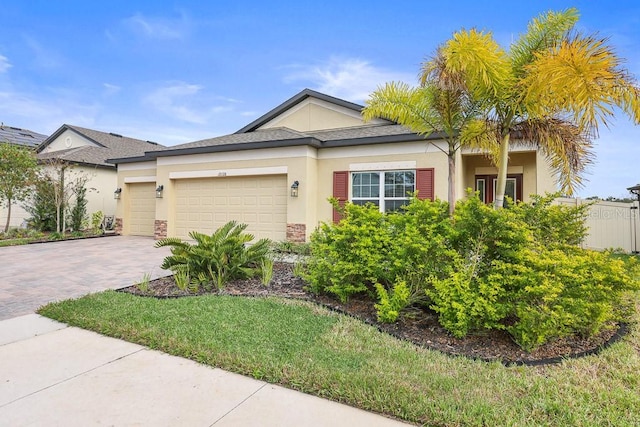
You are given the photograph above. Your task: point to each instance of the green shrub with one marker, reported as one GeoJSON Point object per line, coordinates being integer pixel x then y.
{"type": "Point", "coordinates": [369, 247]}
{"type": "Point", "coordinates": [567, 292]}
{"type": "Point", "coordinates": [347, 258]}
{"type": "Point", "coordinates": [517, 269]}
{"type": "Point", "coordinates": [468, 300]}
{"type": "Point", "coordinates": [78, 212]}
{"type": "Point", "coordinates": [392, 302]}
{"type": "Point", "coordinates": [216, 259]}
{"type": "Point", "coordinates": [266, 270]}
{"type": "Point", "coordinates": [554, 225]}
{"type": "Point", "coordinates": [42, 207]}
{"type": "Point", "coordinates": [421, 241]}
{"type": "Point", "coordinates": [96, 221]}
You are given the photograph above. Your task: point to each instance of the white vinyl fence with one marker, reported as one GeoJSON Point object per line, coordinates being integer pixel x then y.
{"type": "Point", "coordinates": [611, 224]}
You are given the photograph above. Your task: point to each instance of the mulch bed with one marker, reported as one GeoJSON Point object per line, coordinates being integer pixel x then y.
{"type": "Point", "coordinates": [419, 326]}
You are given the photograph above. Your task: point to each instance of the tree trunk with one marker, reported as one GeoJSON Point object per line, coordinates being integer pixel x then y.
{"type": "Point", "coordinates": [63, 205]}
{"type": "Point", "coordinates": [6, 227]}
{"type": "Point", "coordinates": [452, 183]}
{"type": "Point", "coordinates": [503, 164]}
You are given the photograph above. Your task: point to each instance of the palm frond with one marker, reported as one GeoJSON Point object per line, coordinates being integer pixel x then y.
{"type": "Point", "coordinates": [482, 135]}
{"type": "Point", "coordinates": [581, 77]}
{"type": "Point", "coordinates": [171, 241]}
{"type": "Point", "coordinates": [403, 104]}
{"type": "Point", "coordinates": [568, 148]}
{"type": "Point", "coordinates": [484, 64]}
{"type": "Point", "coordinates": [436, 72]}
{"type": "Point", "coordinates": [543, 33]}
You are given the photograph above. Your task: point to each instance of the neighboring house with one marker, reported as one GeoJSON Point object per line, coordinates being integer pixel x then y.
{"type": "Point", "coordinates": [87, 150]}
{"type": "Point", "coordinates": [315, 144]}
{"type": "Point", "coordinates": [25, 138]}
{"type": "Point", "coordinates": [17, 136]}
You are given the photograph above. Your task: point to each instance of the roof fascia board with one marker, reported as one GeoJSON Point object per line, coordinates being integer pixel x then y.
{"type": "Point", "coordinates": [87, 137]}
{"type": "Point", "coordinates": [59, 132]}
{"type": "Point", "coordinates": [237, 147]}
{"type": "Point", "coordinates": [44, 144]}
{"type": "Point", "coordinates": [77, 163]}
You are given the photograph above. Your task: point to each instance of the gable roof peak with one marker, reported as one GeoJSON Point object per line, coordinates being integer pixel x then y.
{"type": "Point", "coordinates": [295, 100]}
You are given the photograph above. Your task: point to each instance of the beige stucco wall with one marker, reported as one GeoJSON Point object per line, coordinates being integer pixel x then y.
{"type": "Point", "coordinates": [68, 139]}
{"type": "Point", "coordinates": [380, 157]}
{"type": "Point", "coordinates": [314, 114]}
{"type": "Point", "coordinates": [139, 172]}
{"type": "Point", "coordinates": [546, 181]}
{"type": "Point", "coordinates": [18, 215]}
{"type": "Point", "coordinates": [100, 188]}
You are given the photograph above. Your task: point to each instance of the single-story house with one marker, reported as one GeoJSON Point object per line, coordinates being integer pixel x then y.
{"type": "Point", "coordinates": [25, 138]}
{"type": "Point", "coordinates": [87, 150]}
{"type": "Point", "coordinates": [277, 172]}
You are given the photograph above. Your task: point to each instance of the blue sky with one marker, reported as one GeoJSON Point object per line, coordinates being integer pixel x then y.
{"type": "Point", "coordinates": [175, 72]}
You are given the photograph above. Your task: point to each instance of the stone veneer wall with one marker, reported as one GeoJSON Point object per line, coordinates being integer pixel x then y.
{"type": "Point", "coordinates": [296, 233]}
{"type": "Point", "coordinates": [160, 229]}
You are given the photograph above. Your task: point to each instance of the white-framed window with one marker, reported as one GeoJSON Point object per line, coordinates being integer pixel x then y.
{"type": "Point", "coordinates": [389, 190]}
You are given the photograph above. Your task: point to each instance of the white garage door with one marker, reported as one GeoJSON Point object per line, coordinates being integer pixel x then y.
{"type": "Point", "coordinates": [206, 204]}
{"type": "Point", "coordinates": [143, 208]}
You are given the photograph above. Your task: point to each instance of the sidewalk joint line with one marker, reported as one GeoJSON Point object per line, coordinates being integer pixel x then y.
{"type": "Point", "coordinates": [239, 404]}
{"type": "Point", "coordinates": [72, 377]}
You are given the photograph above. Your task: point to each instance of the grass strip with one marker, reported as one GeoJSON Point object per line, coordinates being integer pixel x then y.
{"type": "Point", "coordinates": [307, 348]}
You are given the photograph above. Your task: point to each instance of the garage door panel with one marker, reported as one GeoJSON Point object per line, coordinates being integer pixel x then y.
{"type": "Point", "coordinates": [260, 202]}
{"type": "Point", "coordinates": [142, 209]}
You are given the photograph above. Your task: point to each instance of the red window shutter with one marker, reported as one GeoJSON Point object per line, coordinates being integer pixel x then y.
{"type": "Point", "coordinates": [424, 183]}
{"type": "Point", "coordinates": [340, 191]}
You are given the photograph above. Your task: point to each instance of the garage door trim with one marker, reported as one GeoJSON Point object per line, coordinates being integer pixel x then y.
{"type": "Point", "coordinates": [212, 173]}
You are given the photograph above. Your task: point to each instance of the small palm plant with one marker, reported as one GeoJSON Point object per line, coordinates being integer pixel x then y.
{"type": "Point", "coordinates": [225, 255]}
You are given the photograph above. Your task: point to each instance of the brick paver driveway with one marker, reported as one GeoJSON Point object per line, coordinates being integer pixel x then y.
{"type": "Point", "coordinates": [33, 275]}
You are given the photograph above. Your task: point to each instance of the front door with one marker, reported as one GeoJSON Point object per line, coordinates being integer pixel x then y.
{"type": "Point", "coordinates": [486, 187]}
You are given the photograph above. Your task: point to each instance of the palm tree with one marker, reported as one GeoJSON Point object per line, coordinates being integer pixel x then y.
{"type": "Point", "coordinates": [440, 104]}
{"type": "Point", "coordinates": [552, 90]}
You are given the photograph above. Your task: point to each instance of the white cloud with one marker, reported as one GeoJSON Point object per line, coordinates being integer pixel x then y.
{"type": "Point", "coordinates": [158, 27]}
{"type": "Point", "coordinates": [4, 64]}
{"type": "Point", "coordinates": [185, 102]}
{"type": "Point", "coordinates": [348, 78]}
{"type": "Point", "coordinates": [110, 89]}
{"type": "Point", "coordinates": [45, 114]}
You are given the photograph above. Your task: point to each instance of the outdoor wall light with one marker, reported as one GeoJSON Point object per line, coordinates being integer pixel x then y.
{"type": "Point", "coordinates": [294, 189]}
{"type": "Point", "coordinates": [159, 191]}
{"type": "Point", "coordinates": [116, 194]}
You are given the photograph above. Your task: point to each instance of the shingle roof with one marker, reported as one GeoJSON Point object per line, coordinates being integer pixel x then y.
{"type": "Point", "coordinates": [19, 136]}
{"type": "Point", "coordinates": [109, 145]}
{"type": "Point", "coordinates": [284, 137]}
{"type": "Point", "coordinates": [250, 137]}
{"type": "Point", "coordinates": [273, 134]}
{"type": "Point", "coordinates": [370, 131]}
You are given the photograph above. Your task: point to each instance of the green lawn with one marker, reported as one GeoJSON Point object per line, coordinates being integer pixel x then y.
{"type": "Point", "coordinates": [308, 348]}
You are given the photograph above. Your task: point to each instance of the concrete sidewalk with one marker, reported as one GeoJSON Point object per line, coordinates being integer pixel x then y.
{"type": "Point", "coordinates": [55, 375]}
